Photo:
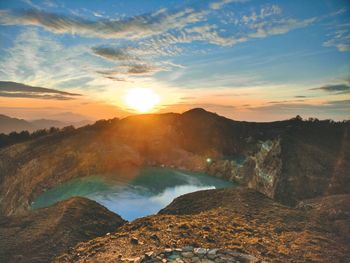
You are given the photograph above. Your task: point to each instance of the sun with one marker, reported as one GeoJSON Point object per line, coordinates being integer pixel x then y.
{"type": "Point", "coordinates": [141, 99]}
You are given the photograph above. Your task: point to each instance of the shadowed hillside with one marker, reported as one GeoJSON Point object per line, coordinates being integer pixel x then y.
{"type": "Point", "coordinates": [44, 233]}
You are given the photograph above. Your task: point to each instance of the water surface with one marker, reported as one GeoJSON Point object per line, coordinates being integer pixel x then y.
{"type": "Point", "coordinates": [149, 191]}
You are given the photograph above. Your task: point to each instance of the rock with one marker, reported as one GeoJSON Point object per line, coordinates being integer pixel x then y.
{"type": "Point", "coordinates": [211, 254]}
{"type": "Point", "coordinates": [154, 237]}
{"type": "Point", "coordinates": [134, 241]}
{"type": "Point", "coordinates": [187, 249]}
{"type": "Point", "coordinates": [200, 251]}
{"type": "Point", "coordinates": [168, 250]}
{"type": "Point", "coordinates": [202, 255]}
{"type": "Point", "coordinates": [149, 254]}
{"type": "Point", "coordinates": [206, 228]}
{"type": "Point", "coordinates": [187, 254]}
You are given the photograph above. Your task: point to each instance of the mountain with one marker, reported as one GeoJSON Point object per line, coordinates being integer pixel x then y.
{"type": "Point", "coordinates": [291, 205]}
{"type": "Point", "coordinates": [288, 160]}
{"type": "Point", "coordinates": [69, 117]}
{"type": "Point", "coordinates": [9, 124]}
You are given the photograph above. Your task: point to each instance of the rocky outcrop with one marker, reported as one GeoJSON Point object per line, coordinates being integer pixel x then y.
{"type": "Point", "coordinates": [260, 171]}
{"type": "Point", "coordinates": [40, 235]}
{"type": "Point", "coordinates": [297, 165]}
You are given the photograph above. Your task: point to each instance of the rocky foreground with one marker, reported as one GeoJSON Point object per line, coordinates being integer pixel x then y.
{"type": "Point", "coordinates": [238, 219]}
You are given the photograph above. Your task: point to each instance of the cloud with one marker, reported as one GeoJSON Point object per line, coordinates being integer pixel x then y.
{"type": "Point", "coordinates": [137, 69]}
{"type": "Point", "coordinates": [18, 90]}
{"type": "Point", "coordinates": [219, 4]}
{"type": "Point", "coordinates": [135, 27]}
{"type": "Point", "coordinates": [340, 39]}
{"type": "Point", "coordinates": [132, 69]}
{"type": "Point", "coordinates": [335, 88]}
{"type": "Point", "coordinates": [163, 27]}
{"type": "Point", "coordinates": [40, 60]}
{"type": "Point", "coordinates": [262, 14]}
{"type": "Point", "coordinates": [145, 42]}
{"type": "Point", "coordinates": [115, 54]}
{"type": "Point", "coordinates": [278, 27]}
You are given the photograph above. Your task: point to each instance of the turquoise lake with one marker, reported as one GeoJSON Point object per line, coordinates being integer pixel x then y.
{"type": "Point", "coordinates": [150, 190]}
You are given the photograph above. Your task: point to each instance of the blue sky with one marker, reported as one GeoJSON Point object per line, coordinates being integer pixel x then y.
{"type": "Point", "coordinates": [245, 59]}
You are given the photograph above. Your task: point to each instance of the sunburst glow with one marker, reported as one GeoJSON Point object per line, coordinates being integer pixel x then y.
{"type": "Point", "coordinates": [141, 99]}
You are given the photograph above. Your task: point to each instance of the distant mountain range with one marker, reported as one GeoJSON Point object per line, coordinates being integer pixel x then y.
{"type": "Point", "coordinates": [9, 124]}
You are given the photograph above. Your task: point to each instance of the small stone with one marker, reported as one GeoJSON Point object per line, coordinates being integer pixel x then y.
{"type": "Point", "coordinates": [184, 227]}
{"type": "Point", "coordinates": [134, 241]}
{"type": "Point", "coordinates": [168, 250]}
{"type": "Point", "coordinates": [154, 237]}
{"type": "Point", "coordinates": [213, 251]}
{"type": "Point", "coordinates": [206, 228]}
{"type": "Point", "coordinates": [149, 254]}
{"type": "Point", "coordinates": [195, 260]}
{"type": "Point", "coordinates": [187, 248]}
{"type": "Point", "coordinates": [164, 260]}
{"type": "Point", "coordinates": [200, 251]}
{"type": "Point", "coordinates": [108, 234]}
{"type": "Point", "coordinates": [187, 254]}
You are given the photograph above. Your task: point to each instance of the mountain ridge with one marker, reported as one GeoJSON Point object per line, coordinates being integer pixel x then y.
{"type": "Point", "coordinates": [10, 124]}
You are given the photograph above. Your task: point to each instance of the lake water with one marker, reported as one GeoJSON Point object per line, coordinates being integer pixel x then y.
{"type": "Point", "coordinates": [150, 190]}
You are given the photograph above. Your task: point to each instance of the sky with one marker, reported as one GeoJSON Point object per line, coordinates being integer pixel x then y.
{"type": "Point", "coordinates": [243, 59]}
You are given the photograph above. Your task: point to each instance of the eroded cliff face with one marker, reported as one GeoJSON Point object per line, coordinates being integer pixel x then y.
{"type": "Point", "coordinates": [300, 164]}
{"type": "Point", "coordinates": [259, 171]}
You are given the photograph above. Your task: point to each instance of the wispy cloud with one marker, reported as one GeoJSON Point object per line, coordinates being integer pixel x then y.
{"type": "Point", "coordinates": [340, 39]}
{"type": "Point", "coordinates": [157, 34]}
{"type": "Point", "coordinates": [19, 90]}
{"type": "Point", "coordinates": [131, 28]}
{"type": "Point", "coordinates": [341, 88]}
{"type": "Point", "coordinates": [278, 27]}
{"type": "Point", "coordinates": [219, 4]}
{"type": "Point", "coordinates": [115, 54]}
{"type": "Point", "coordinates": [40, 60]}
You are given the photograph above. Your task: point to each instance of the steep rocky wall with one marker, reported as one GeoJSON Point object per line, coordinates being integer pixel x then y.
{"type": "Point", "coordinates": [299, 165]}
{"type": "Point", "coordinates": [259, 171]}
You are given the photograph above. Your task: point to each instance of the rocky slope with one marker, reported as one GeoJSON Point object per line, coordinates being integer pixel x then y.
{"type": "Point", "coordinates": [238, 219]}
{"type": "Point", "coordinates": [40, 235]}
{"type": "Point", "coordinates": [288, 160]}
